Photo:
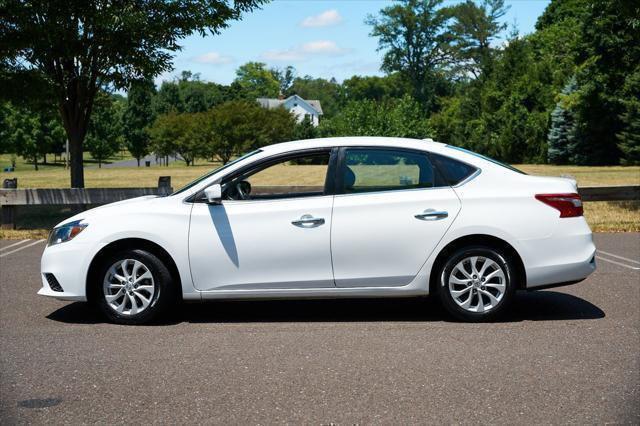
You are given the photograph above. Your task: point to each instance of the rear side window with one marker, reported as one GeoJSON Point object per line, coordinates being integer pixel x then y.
{"type": "Point", "coordinates": [452, 171]}
{"type": "Point", "coordinates": [373, 170]}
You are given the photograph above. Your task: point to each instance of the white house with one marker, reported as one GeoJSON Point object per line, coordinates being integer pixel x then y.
{"type": "Point", "coordinates": [299, 107]}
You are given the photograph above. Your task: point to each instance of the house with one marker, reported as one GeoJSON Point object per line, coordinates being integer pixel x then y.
{"type": "Point", "coordinates": [301, 108]}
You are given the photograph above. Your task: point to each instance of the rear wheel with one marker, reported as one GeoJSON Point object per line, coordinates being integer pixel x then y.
{"type": "Point", "coordinates": [134, 287]}
{"type": "Point", "coordinates": [476, 284]}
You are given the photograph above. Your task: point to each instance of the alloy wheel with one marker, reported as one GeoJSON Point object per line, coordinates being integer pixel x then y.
{"type": "Point", "coordinates": [128, 287]}
{"type": "Point", "coordinates": [477, 284]}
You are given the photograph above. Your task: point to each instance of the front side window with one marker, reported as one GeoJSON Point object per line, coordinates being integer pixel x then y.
{"type": "Point", "coordinates": [298, 176]}
{"type": "Point", "coordinates": [213, 172]}
{"type": "Point", "coordinates": [372, 170]}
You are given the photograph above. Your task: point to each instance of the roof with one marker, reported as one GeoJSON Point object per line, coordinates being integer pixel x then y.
{"type": "Point", "coordinates": [378, 141]}
{"type": "Point", "coordinates": [272, 103]}
{"type": "Point", "coordinates": [353, 141]}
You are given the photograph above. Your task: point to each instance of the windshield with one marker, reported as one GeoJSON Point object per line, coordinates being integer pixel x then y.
{"type": "Point", "coordinates": [219, 169]}
{"type": "Point", "coordinates": [475, 154]}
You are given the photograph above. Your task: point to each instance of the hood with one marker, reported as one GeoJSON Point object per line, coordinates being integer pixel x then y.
{"type": "Point", "coordinates": [87, 214]}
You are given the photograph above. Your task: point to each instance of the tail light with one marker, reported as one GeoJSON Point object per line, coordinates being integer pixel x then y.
{"type": "Point", "coordinates": [569, 205]}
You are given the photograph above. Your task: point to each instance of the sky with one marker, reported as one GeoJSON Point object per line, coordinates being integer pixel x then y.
{"type": "Point", "coordinates": [319, 38]}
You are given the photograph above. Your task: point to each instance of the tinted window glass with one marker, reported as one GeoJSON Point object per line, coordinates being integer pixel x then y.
{"type": "Point", "coordinates": [506, 166]}
{"type": "Point", "coordinates": [451, 170]}
{"type": "Point", "coordinates": [211, 173]}
{"type": "Point", "coordinates": [299, 176]}
{"type": "Point", "coordinates": [367, 170]}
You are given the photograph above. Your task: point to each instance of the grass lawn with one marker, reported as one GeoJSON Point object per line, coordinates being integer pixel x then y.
{"type": "Point", "coordinates": [54, 163]}
{"type": "Point", "coordinates": [586, 175]}
{"type": "Point", "coordinates": [602, 216]}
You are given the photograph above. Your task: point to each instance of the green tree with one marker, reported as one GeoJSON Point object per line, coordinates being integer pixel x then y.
{"type": "Point", "coordinates": [473, 29]}
{"type": "Point", "coordinates": [238, 126]}
{"type": "Point", "coordinates": [397, 118]}
{"type": "Point", "coordinates": [562, 134]}
{"type": "Point", "coordinates": [305, 130]}
{"type": "Point", "coordinates": [188, 94]}
{"type": "Point", "coordinates": [137, 118]}
{"type": "Point", "coordinates": [22, 133]}
{"type": "Point", "coordinates": [375, 88]}
{"type": "Point", "coordinates": [560, 11]}
{"type": "Point", "coordinates": [413, 36]}
{"type": "Point", "coordinates": [257, 81]}
{"type": "Point", "coordinates": [54, 136]}
{"type": "Point", "coordinates": [76, 47]}
{"type": "Point", "coordinates": [181, 134]}
{"type": "Point", "coordinates": [104, 137]}
{"type": "Point", "coordinates": [504, 115]}
{"type": "Point", "coordinates": [285, 77]}
{"type": "Point", "coordinates": [609, 52]}
{"type": "Point", "coordinates": [629, 136]}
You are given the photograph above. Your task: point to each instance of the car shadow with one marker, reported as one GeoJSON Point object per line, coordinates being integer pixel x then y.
{"type": "Point", "coordinates": [528, 306]}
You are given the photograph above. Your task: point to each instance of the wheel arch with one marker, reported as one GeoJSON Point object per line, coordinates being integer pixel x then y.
{"type": "Point", "coordinates": [478, 239]}
{"type": "Point", "coordinates": [131, 244]}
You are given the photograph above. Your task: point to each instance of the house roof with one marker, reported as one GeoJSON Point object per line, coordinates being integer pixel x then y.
{"type": "Point", "coordinates": [271, 103]}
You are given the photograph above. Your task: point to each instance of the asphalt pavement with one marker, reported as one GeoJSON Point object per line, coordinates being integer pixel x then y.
{"type": "Point", "coordinates": [566, 355]}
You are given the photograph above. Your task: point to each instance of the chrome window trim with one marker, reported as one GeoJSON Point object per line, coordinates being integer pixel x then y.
{"type": "Point", "coordinates": [468, 178]}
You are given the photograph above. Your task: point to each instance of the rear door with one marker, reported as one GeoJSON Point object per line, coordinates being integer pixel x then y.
{"type": "Point", "coordinates": [389, 214]}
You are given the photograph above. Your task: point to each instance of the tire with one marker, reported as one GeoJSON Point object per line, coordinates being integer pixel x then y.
{"type": "Point", "coordinates": [480, 294]}
{"type": "Point", "coordinates": [134, 276]}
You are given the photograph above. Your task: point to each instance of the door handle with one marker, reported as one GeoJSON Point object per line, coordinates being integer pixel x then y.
{"type": "Point", "coordinates": [432, 214]}
{"type": "Point", "coordinates": [308, 221]}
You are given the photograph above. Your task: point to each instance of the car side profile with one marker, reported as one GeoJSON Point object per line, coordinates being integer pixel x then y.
{"type": "Point", "coordinates": [329, 218]}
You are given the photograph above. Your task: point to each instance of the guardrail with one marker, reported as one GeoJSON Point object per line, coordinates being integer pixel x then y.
{"type": "Point", "coordinates": [11, 198]}
{"type": "Point", "coordinates": [610, 193]}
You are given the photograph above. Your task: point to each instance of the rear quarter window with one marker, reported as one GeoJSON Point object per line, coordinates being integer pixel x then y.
{"type": "Point", "coordinates": [452, 171]}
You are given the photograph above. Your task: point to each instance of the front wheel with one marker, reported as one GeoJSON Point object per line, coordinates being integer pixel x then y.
{"type": "Point", "coordinates": [134, 287]}
{"type": "Point", "coordinates": [476, 284]}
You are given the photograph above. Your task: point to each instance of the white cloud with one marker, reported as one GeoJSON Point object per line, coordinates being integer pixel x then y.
{"type": "Point", "coordinates": [324, 47]}
{"type": "Point", "coordinates": [213, 58]}
{"type": "Point", "coordinates": [325, 19]}
{"type": "Point", "coordinates": [290, 55]}
{"type": "Point", "coordinates": [306, 50]}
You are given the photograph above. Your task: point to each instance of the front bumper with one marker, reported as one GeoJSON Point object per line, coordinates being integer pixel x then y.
{"type": "Point", "coordinates": [68, 263]}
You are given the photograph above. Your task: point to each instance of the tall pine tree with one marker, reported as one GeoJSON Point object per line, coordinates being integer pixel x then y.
{"type": "Point", "coordinates": [562, 134]}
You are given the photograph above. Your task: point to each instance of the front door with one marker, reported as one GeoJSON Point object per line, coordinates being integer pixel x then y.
{"type": "Point", "coordinates": [271, 231]}
{"type": "Point", "coordinates": [389, 218]}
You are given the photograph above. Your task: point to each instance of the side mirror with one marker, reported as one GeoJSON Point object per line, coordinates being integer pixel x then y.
{"type": "Point", "coordinates": [213, 194]}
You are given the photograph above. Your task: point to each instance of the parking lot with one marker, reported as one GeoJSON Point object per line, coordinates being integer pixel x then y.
{"type": "Point", "coordinates": [563, 355]}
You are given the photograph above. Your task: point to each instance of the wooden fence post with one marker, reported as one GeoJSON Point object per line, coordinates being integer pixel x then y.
{"type": "Point", "coordinates": [164, 185]}
{"type": "Point", "coordinates": [9, 212]}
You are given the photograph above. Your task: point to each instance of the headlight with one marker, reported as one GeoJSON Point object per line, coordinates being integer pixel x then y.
{"type": "Point", "coordinates": [66, 232]}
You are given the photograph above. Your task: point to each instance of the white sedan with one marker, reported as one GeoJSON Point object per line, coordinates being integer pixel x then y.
{"type": "Point", "coordinates": [329, 218]}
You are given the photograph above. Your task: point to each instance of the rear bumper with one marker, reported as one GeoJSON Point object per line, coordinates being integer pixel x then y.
{"type": "Point", "coordinates": [565, 258]}
{"type": "Point", "coordinates": [561, 275]}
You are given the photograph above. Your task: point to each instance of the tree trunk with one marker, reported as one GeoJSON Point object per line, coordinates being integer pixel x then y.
{"type": "Point", "coordinates": [76, 161]}
{"type": "Point", "coordinates": [44, 159]}
{"type": "Point", "coordinates": [75, 104]}
{"type": "Point", "coordinates": [99, 162]}
{"type": "Point", "coordinates": [138, 159]}
{"type": "Point", "coordinates": [35, 162]}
